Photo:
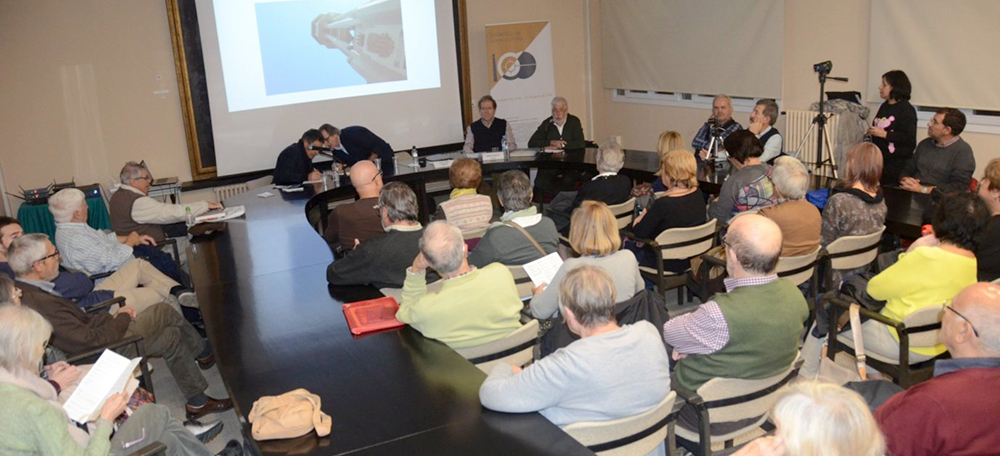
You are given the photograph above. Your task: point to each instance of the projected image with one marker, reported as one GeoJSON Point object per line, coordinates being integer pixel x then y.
{"type": "Point", "coordinates": [324, 44]}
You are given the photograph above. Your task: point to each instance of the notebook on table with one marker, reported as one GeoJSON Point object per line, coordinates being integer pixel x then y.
{"type": "Point", "coordinates": [371, 315]}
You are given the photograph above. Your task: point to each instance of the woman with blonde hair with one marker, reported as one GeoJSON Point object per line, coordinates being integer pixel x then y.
{"type": "Point", "coordinates": [669, 141]}
{"type": "Point", "coordinates": [819, 419]}
{"type": "Point", "coordinates": [593, 233]}
{"type": "Point", "coordinates": [682, 205]}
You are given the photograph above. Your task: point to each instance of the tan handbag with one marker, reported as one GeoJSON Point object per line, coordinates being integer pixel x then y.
{"type": "Point", "coordinates": [831, 372]}
{"type": "Point", "coordinates": [289, 415]}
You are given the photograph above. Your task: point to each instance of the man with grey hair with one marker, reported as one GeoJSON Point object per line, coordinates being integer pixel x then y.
{"type": "Point", "coordinates": [473, 306]}
{"type": "Point", "coordinates": [522, 235]}
{"type": "Point", "coordinates": [163, 330]}
{"type": "Point", "coordinates": [561, 131]}
{"type": "Point", "coordinates": [611, 372]}
{"type": "Point", "coordinates": [800, 221]}
{"type": "Point", "coordinates": [721, 119]}
{"type": "Point", "coordinates": [132, 210]}
{"type": "Point", "coordinates": [382, 261]}
{"type": "Point", "coordinates": [752, 330]}
{"type": "Point", "coordinates": [954, 412]}
{"type": "Point", "coordinates": [762, 119]}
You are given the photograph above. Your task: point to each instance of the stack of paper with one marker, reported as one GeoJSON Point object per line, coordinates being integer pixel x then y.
{"type": "Point", "coordinates": [220, 215]}
{"type": "Point", "coordinates": [110, 375]}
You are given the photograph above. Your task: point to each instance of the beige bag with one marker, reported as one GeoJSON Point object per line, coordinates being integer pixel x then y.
{"type": "Point", "coordinates": [831, 372]}
{"type": "Point", "coordinates": [289, 415]}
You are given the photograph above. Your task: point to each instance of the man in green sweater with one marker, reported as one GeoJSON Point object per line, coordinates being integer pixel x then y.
{"type": "Point", "coordinates": [473, 307]}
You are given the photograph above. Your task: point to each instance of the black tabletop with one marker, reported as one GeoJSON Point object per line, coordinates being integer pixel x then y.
{"type": "Point", "coordinates": [277, 326]}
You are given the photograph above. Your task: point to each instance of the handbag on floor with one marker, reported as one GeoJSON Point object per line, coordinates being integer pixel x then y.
{"type": "Point", "coordinates": [831, 372]}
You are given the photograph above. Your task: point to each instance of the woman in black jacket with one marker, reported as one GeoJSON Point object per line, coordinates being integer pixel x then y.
{"type": "Point", "coordinates": [894, 128]}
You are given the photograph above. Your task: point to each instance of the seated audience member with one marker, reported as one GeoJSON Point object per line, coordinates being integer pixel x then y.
{"type": "Point", "coordinates": [353, 144]}
{"type": "Point", "coordinates": [669, 141]}
{"type": "Point", "coordinates": [611, 372]}
{"type": "Point", "coordinates": [465, 208]}
{"type": "Point", "coordinates": [513, 240]}
{"type": "Point", "coordinates": [819, 419]}
{"type": "Point", "coordinates": [475, 305]}
{"type": "Point", "coordinates": [72, 285]}
{"type": "Point", "coordinates": [799, 220]}
{"type": "Point", "coordinates": [607, 186]}
{"type": "Point", "coordinates": [722, 112]}
{"type": "Point", "coordinates": [956, 411]}
{"type": "Point", "coordinates": [933, 269]}
{"type": "Point", "coordinates": [857, 206]}
{"type": "Point", "coordinates": [749, 185]}
{"type": "Point", "coordinates": [749, 332]}
{"type": "Point", "coordinates": [594, 235]}
{"type": "Point", "coordinates": [353, 223]}
{"type": "Point", "coordinates": [487, 133]}
{"type": "Point", "coordinates": [561, 131]}
{"type": "Point", "coordinates": [988, 250]}
{"type": "Point", "coordinates": [132, 210]}
{"type": "Point", "coordinates": [41, 426]}
{"type": "Point", "coordinates": [682, 205]}
{"type": "Point", "coordinates": [294, 165]}
{"type": "Point", "coordinates": [762, 119]}
{"type": "Point", "coordinates": [943, 161]}
{"type": "Point", "coordinates": [382, 261]}
{"type": "Point", "coordinates": [163, 330]}
{"type": "Point", "coordinates": [9, 293]}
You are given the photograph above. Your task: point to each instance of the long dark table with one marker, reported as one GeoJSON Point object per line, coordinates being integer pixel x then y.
{"type": "Point", "coordinates": [276, 326]}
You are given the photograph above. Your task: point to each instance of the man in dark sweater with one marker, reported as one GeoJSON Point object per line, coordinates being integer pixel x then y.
{"type": "Point", "coordinates": [353, 144]}
{"type": "Point", "coordinates": [352, 223]}
{"type": "Point", "coordinates": [382, 261]}
{"type": "Point", "coordinates": [560, 131]}
{"type": "Point", "coordinates": [943, 161]}
{"type": "Point", "coordinates": [294, 164]}
{"type": "Point", "coordinates": [489, 132]}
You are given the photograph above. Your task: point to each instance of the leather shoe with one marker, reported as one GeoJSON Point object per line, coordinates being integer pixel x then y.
{"type": "Point", "coordinates": [212, 406]}
{"type": "Point", "coordinates": [206, 362]}
{"type": "Point", "coordinates": [204, 432]}
{"type": "Point", "coordinates": [233, 448]}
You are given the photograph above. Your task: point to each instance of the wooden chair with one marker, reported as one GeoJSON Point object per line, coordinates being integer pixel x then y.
{"type": "Point", "coordinates": [676, 244]}
{"type": "Point", "coordinates": [725, 400]}
{"type": "Point", "coordinates": [918, 330]}
{"type": "Point", "coordinates": [516, 349]}
{"type": "Point", "coordinates": [634, 435]}
{"type": "Point", "coordinates": [848, 252]}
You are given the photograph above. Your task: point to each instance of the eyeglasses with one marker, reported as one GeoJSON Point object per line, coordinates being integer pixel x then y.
{"type": "Point", "coordinates": [148, 178]}
{"type": "Point", "coordinates": [53, 254]}
{"type": "Point", "coordinates": [947, 305]}
{"type": "Point", "coordinates": [379, 173]}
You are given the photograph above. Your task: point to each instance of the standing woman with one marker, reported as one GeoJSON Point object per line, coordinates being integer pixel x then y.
{"type": "Point", "coordinates": [894, 128]}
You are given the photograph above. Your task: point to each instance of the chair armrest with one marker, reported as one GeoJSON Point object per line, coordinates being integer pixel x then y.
{"type": "Point", "coordinates": [153, 449]}
{"type": "Point", "coordinates": [101, 275]}
{"type": "Point", "coordinates": [687, 395]}
{"type": "Point", "coordinates": [119, 300]}
{"type": "Point", "coordinates": [98, 351]}
{"type": "Point", "coordinates": [712, 261]}
{"type": "Point", "coordinates": [632, 236]}
{"type": "Point", "coordinates": [844, 304]}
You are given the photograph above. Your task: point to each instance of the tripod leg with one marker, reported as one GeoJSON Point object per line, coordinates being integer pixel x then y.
{"type": "Point", "coordinates": [798, 150]}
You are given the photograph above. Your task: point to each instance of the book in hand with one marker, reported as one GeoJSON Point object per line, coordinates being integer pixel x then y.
{"type": "Point", "coordinates": [372, 315]}
{"type": "Point", "coordinates": [544, 269]}
{"type": "Point", "coordinates": [219, 215]}
{"type": "Point", "coordinates": [109, 375]}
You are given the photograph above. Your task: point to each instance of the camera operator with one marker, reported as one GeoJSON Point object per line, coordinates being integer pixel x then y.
{"type": "Point", "coordinates": [722, 119]}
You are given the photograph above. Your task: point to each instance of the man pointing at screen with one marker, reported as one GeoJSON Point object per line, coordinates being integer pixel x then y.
{"type": "Point", "coordinates": [353, 144]}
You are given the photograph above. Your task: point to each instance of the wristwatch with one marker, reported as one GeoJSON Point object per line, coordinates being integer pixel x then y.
{"type": "Point", "coordinates": [924, 189]}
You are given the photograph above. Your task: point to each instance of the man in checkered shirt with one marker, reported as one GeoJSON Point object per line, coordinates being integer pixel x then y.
{"type": "Point", "coordinates": [722, 112]}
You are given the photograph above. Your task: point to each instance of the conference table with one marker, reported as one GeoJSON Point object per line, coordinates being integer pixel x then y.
{"type": "Point", "coordinates": [277, 326]}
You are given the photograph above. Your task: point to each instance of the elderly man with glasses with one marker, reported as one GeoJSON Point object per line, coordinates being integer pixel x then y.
{"type": "Point", "coordinates": [352, 223]}
{"type": "Point", "coordinates": [955, 411]}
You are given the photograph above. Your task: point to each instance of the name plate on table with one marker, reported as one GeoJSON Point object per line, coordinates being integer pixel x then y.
{"type": "Point", "coordinates": [492, 156]}
{"type": "Point", "coordinates": [438, 164]}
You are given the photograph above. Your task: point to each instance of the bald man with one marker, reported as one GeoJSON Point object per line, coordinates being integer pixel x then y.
{"type": "Point", "coordinates": [350, 224]}
{"type": "Point", "coordinates": [749, 332]}
{"type": "Point", "coordinates": [956, 411]}
{"type": "Point", "coordinates": [722, 113]}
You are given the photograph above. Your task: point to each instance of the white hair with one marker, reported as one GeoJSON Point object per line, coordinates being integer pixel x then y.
{"type": "Point", "coordinates": [132, 170]}
{"type": "Point", "coordinates": [558, 100]}
{"type": "Point", "coordinates": [22, 332]}
{"type": "Point", "coordinates": [724, 97]}
{"type": "Point", "coordinates": [443, 247]}
{"type": "Point", "coordinates": [823, 419]}
{"type": "Point", "coordinates": [610, 158]}
{"type": "Point", "coordinates": [25, 251]}
{"type": "Point", "coordinates": [64, 203]}
{"type": "Point", "coordinates": [791, 177]}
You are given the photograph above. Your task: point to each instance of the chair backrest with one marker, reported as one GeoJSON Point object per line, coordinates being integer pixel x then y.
{"type": "Point", "coordinates": [925, 325]}
{"type": "Point", "coordinates": [521, 281]}
{"type": "Point", "coordinates": [624, 213]}
{"type": "Point", "coordinates": [684, 243]}
{"type": "Point", "coordinates": [851, 252]}
{"type": "Point", "coordinates": [799, 268]}
{"type": "Point", "coordinates": [749, 400]}
{"type": "Point", "coordinates": [516, 349]}
{"type": "Point", "coordinates": [633, 435]}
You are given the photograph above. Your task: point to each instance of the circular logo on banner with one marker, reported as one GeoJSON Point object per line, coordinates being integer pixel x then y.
{"type": "Point", "coordinates": [516, 66]}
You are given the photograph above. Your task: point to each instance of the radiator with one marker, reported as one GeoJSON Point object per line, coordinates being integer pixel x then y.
{"type": "Point", "coordinates": [228, 191]}
{"type": "Point", "coordinates": [798, 124]}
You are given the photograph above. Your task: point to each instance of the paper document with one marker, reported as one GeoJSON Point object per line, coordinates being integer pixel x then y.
{"type": "Point", "coordinates": [522, 153]}
{"type": "Point", "coordinates": [544, 269]}
{"type": "Point", "coordinates": [109, 375]}
{"type": "Point", "coordinates": [220, 215]}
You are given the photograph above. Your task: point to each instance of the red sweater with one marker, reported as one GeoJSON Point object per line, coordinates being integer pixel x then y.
{"type": "Point", "coordinates": [956, 413]}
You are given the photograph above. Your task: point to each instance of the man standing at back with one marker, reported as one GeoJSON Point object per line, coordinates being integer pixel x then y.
{"type": "Point", "coordinates": [749, 332]}
{"type": "Point", "coordinates": [352, 223]}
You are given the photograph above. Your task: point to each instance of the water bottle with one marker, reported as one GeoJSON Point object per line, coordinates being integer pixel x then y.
{"type": "Point", "coordinates": [413, 154]}
{"type": "Point", "coordinates": [336, 176]}
{"type": "Point", "coordinates": [505, 148]}
{"type": "Point", "coordinates": [188, 217]}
